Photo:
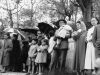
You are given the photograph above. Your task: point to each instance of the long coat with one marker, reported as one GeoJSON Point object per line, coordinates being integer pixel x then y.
{"type": "Point", "coordinates": [96, 40]}
{"type": "Point", "coordinates": [79, 60]}
{"type": "Point", "coordinates": [5, 49]}
{"type": "Point", "coordinates": [16, 53]}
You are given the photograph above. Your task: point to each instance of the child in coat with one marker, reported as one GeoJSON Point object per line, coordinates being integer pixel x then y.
{"type": "Point", "coordinates": [32, 55]}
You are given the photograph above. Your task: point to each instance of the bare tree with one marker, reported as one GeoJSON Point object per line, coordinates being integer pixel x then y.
{"type": "Point", "coordinates": [86, 6]}
{"type": "Point", "coordinates": [96, 8]}
{"type": "Point", "coordinates": [62, 7]}
{"type": "Point", "coordinates": [10, 10]}
{"type": "Point", "coordinates": [17, 2]}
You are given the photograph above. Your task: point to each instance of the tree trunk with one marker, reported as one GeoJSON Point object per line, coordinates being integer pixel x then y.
{"type": "Point", "coordinates": [17, 17]}
{"type": "Point", "coordinates": [87, 14]}
{"type": "Point", "coordinates": [11, 21]}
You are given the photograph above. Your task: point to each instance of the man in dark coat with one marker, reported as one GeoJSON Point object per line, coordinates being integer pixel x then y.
{"type": "Point", "coordinates": [16, 53]}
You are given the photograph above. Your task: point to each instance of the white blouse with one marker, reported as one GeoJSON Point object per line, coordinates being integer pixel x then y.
{"type": "Point", "coordinates": [90, 33]}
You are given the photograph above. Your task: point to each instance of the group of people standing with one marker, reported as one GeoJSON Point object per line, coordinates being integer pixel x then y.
{"type": "Point", "coordinates": [87, 47]}
{"type": "Point", "coordinates": [85, 44]}
{"type": "Point", "coordinates": [10, 52]}
{"type": "Point", "coordinates": [40, 53]}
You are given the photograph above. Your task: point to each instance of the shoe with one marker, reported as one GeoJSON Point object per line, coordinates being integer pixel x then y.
{"type": "Point", "coordinates": [40, 73]}
{"type": "Point", "coordinates": [24, 71]}
{"type": "Point", "coordinates": [28, 74]}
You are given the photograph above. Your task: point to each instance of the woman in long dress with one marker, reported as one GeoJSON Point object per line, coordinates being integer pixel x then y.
{"type": "Point", "coordinates": [71, 49]}
{"type": "Point", "coordinates": [53, 53]}
{"type": "Point", "coordinates": [79, 36]}
{"type": "Point", "coordinates": [90, 50]}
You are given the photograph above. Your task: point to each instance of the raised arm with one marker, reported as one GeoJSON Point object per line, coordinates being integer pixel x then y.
{"type": "Point", "coordinates": [42, 48]}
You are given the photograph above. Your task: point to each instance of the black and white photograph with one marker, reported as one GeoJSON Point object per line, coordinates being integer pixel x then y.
{"type": "Point", "coordinates": [49, 37]}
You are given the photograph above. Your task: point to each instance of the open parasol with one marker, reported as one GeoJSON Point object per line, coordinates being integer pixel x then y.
{"type": "Point", "coordinates": [45, 28]}
{"type": "Point", "coordinates": [34, 31]}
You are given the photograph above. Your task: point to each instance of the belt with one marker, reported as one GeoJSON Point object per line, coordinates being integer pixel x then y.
{"type": "Point", "coordinates": [41, 51]}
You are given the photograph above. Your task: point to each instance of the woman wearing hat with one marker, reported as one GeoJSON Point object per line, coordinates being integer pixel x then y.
{"type": "Point", "coordinates": [5, 49]}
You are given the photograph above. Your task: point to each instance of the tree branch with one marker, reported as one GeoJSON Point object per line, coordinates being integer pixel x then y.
{"type": "Point", "coordinates": [18, 11]}
{"type": "Point", "coordinates": [15, 7]}
{"type": "Point", "coordinates": [3, 8]}
{"type": "Point", "coordinates": [80, 2]}
{"type": "Point", "coordinates": [74, 3]}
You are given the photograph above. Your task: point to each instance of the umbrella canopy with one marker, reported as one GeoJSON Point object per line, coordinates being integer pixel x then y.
{"type": "Point", "coordinates": [45, 28]}
{"type": "Point", "coordinates": [12, 30]}
{"type": "Point", "coordinates": [34, 31]}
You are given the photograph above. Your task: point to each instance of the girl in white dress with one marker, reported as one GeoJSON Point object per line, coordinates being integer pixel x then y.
{"type": "Point", "coordinates": [41, 57]}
